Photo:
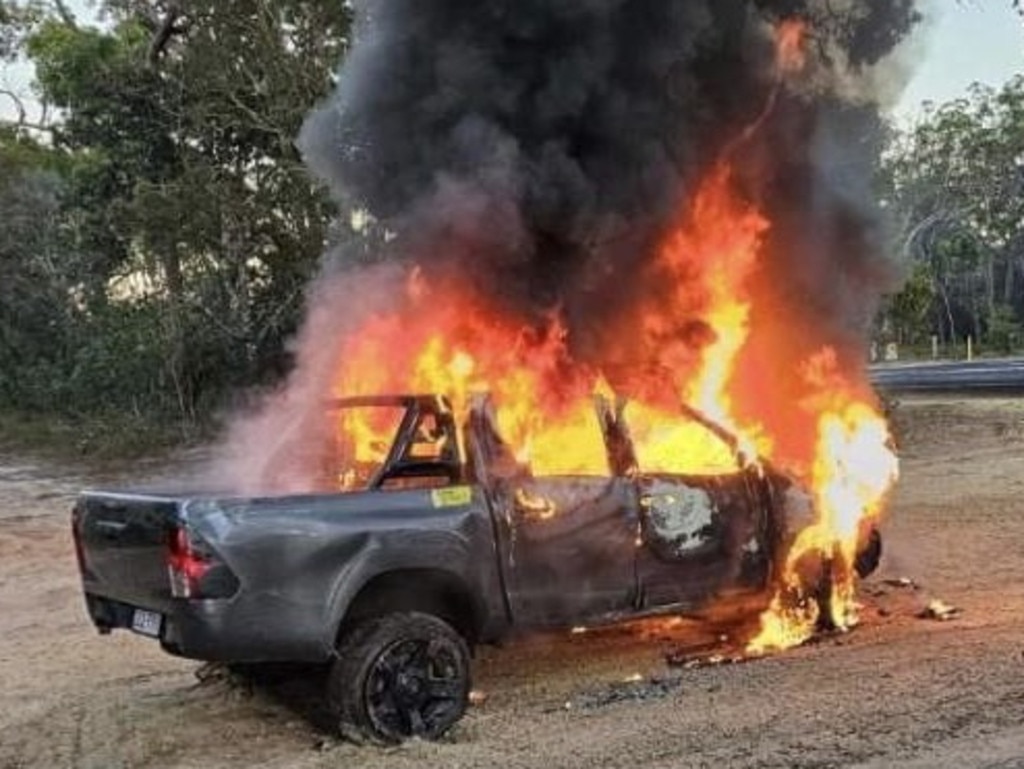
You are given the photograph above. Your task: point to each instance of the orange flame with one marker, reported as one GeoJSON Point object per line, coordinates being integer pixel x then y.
{"type": "Point", "coordinates": [854, 468]}
{"type": "Point", "coordinates": [461, 345]}
{"type": "Point", "coordinates": [724, 238]}
{"type": "Point", "coordinates": [693, 342]}
{"type": "Point", "coordinates": [791, 46]}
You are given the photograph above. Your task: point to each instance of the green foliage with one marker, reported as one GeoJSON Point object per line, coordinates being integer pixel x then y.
{"type": "Point", "coordinates": [155, 242]}
{"type": "Point", "coordinates": [114, 435]}
{"type": "Point", "coordinates": [1004, 330]}
{"type": "Point", "coordinates": [910, 309]}
{"type": "Point", "coordinates": [956, 183]}
{"type": "Point", "coordinates": [16, 19]}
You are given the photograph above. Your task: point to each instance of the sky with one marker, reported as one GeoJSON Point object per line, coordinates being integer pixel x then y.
{"type": "Point", "coordinates": [962, 42]}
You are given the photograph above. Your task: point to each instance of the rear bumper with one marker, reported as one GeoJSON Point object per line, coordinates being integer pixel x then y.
{"type": "Point", "coordinates": [220, 631]}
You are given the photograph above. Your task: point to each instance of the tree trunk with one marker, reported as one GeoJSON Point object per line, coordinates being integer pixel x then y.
{"type": "Point", "coordinates": [1017, 302]}
{"type": "Point", "coordinates": [990, 286]}
{"type": "Point", "coordinates": [941, 285]}
{"type": "Point", "coordinates": [1010, 281]}
{"type": "Point", "coordinates": [171, 263]}
{"type": "Point", "coordinates": [233, 246]}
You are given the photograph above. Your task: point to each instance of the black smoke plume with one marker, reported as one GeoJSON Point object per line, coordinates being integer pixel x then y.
{"type": "Point", "coordinates": [543, 148]}
{"type": "Point", "coordinates": [544, 145]}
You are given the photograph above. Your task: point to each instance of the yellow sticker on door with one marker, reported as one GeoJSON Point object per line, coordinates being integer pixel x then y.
{"type": "Point", "coordinates": [453, 496]}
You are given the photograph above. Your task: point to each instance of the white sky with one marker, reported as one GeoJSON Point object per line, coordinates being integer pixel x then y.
{"type": "Point", "coordinates": [964, 41]}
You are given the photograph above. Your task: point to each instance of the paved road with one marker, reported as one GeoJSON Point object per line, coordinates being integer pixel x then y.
{"type": "Point", "coordinates": [1005, 376]}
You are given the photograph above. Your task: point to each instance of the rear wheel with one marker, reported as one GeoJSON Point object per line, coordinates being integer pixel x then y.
{"type": "Point", "coordinates": [398, 676]}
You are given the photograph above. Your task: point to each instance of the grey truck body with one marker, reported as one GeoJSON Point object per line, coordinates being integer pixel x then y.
{"type": "Point", "coordinates": [464, 533]}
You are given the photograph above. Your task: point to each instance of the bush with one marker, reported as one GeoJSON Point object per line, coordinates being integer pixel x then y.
{"type": "Point", "coordinates": [1004, 330]}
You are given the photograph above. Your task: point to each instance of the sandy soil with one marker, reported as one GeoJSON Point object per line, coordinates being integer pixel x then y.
{"type": "Point", "coordinates": [898, 691]}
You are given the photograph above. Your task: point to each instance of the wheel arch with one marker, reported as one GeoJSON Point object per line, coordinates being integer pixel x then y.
{"type": "Point", "coordinates": [429, 590]}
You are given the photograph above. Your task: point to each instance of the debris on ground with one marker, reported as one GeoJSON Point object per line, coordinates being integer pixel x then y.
{"type": "Point", "coordinates": [903, 582]}
{"type": "Point", "coordinates": [940, 611]}
{"type": "Point", "coordinates": [689, 661]}
{"type": "Point", "coordinates": [632, 689]}
{"type": "Point", "coordinates": [211, 673]}
{"type": "Point", "coordinates": [477, 698]}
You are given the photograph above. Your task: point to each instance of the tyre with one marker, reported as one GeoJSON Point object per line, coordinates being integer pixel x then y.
{"type": "Point", "coordinates": [869, 554]}
{"type": "Point", "coordinates": [398, 676]}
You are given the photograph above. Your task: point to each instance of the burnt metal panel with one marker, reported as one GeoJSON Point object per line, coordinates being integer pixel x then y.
{"type": "Point", "coordinates": [700, 536]}
{"type": "Point", "coordinates": [570, 548]}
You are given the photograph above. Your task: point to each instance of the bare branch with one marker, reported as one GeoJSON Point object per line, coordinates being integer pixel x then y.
{"type": "Point", "coordinates": [23, 122]}
{"type": "Point", "coordinates": [168, 28]}
{"type": "Point", "coordinates": [19, 105]}
{"type": "Point", "coordinates": [65, 13]}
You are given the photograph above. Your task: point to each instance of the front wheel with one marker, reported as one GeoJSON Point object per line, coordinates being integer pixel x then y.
{"type": "Point", "coordinates": [398, 676]}
{"type": "Point", "coordinates": [869, 554]}
{"type": "Point", "coordinates": [866, 561]}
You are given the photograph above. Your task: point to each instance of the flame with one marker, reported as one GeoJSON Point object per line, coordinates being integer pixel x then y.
{"type": "Point", "coordinates": [722, 236]}
{"type": "Point", "coordinates": [689, 340]}
{"type": "Point", "coordinates": [461, 346]}
{"type": "Point", "coordinates": [363, 440]}
{"type": "Point", "coordinates": [447, 339]}
{"type": "Point", "coordinates": [670, 445]}
{"type": "Point", "coordinates": [854, 468]}
{"type": "Point", "coordinates": [791, 46]}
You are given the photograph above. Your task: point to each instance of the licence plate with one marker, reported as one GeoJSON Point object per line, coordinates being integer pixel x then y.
{"type": "Point", "coordinates": [147, 622]}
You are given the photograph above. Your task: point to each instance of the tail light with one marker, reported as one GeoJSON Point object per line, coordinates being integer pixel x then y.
{"type": "Point", "coordinates": [195, 569]}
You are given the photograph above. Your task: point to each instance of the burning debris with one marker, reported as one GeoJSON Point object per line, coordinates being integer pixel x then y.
{"type": "Point", "coordinates": [661, 202]}
{"type": "Point", "coordinates": [688, 660]}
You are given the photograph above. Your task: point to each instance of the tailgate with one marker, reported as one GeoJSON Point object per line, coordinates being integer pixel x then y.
{"type": "Point", "coordinates": [123, 545]}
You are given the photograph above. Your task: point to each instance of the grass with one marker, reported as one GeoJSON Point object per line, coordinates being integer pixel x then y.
{"type": "Point", "coordinates": [107, 436]}
{"type": "Point", "coordinates": [923, 352]}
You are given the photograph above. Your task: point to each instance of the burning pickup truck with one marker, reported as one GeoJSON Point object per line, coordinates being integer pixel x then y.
{"type": "Point", "coordinates": [437, 540]}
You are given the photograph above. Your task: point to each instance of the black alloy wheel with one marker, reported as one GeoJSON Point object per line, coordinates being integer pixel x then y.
{"type": "Point", "coordinates": [400, 676]}
{"type": "Point", "coordinates": [414, 688]}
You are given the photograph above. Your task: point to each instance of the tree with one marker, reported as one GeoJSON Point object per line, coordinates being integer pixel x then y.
{"type": "Point", "coordinates": [183, 206]}
{"type": "Point", "coordinates": [956, 182]}
{"type": "Point", "coordinates": [910, 311]}
{"type": "Point", "coordinates": [33, 307]}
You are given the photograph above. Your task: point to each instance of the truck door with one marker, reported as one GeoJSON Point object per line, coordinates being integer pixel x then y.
{"type": "Point", "coordinates": [566, 543]}
{"type": "Point", "coordinates": [702, 520]}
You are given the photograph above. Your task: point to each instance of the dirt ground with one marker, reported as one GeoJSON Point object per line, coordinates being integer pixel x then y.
{"type": "Point", "coordinates": [897, 692]}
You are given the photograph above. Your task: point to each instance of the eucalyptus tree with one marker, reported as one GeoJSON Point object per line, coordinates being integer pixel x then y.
{"type": "Point", "coordinates": [956, 182]}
